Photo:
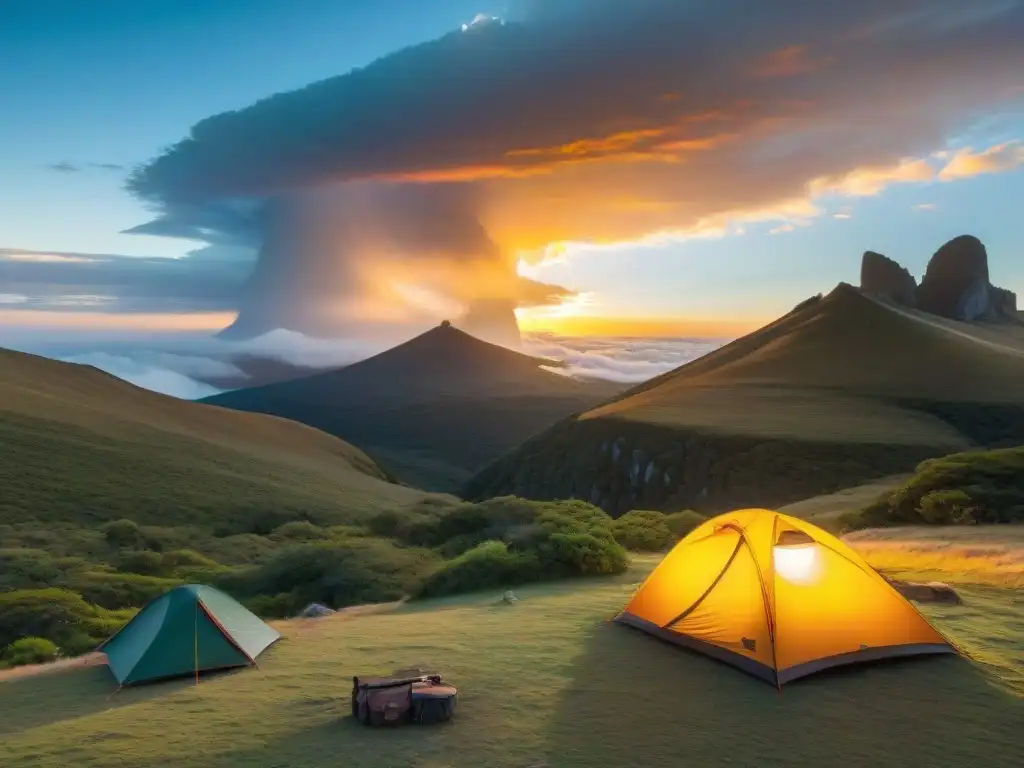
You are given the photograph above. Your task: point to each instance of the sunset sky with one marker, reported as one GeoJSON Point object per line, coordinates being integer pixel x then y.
{"type": "Point", "coordinates": [696, 177]}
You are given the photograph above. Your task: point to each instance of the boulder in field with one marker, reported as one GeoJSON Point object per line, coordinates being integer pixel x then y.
{"type": "Point", "coordinates": [315, 611]}
{"type": "Point", "coordinates": [927, 592]}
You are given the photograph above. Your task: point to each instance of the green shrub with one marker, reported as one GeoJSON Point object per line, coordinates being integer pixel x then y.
{"type": "Point", "coordinates": [643, 531]}
{"type": "Point", "coordinates": [239, 549]}
{"type": "Point", "coordinates": [186, 558]}
{"type": "Point", "coordinates": [27, 569]}
{"type": "Point", "coordinates": [963, 488]}
{"type": "Point", "coordinates": [122, 534]}
{"type": "Point", "coordinates": [684, 521]}
{"type": "Point", "coordinates": [118, 590]}
{"type": "Point", "coordinates": [28, 650]}
{"type": "Point", "coordinates": [59, 615]}
{"type": "Point", "coordinates": [298, 530]}
{"type": "Point", "coordinates": [546, 554]}
{"type": "Point", "coordinates": [335, 573]}
{"type": "Point", "coordinates": [141, 561]}
{"type": "Point", "coordinates": [487, 565]}
{"type": "Point", "coordinates": [947, 507]}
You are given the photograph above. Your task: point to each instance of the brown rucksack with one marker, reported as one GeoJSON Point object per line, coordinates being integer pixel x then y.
{"type": "Point", "coordinates": [390, 701]}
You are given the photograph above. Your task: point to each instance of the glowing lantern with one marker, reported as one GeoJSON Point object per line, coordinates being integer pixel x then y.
{"type": "Point", "coordinates": [796, 557]}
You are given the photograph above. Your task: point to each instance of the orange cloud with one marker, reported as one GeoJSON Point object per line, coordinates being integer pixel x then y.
{"type": "Point", "coordinates": [997, 159]}
{"type": "Point", "coordinates": [467, 173]}
{"type": "Point", "coordinates": [786, 62]}
{"type": "Point", "coordinates": [611, 144]}
{"type": "Point", "coordinates": [698, 144]}
{"type": "Point", "coordinates": [128, 321]}
{"type": "Point", "coordinates": [869, 181]}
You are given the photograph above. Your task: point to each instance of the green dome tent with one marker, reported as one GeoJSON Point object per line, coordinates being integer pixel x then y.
{"type": "Point", "coordinates": [189, 630]}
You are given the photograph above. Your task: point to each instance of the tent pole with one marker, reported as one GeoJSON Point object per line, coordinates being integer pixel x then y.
{"type": "Point", "coordinates": [195, 642]}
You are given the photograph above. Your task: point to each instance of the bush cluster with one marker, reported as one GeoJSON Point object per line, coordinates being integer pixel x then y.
{"type": "Point", "coordinates": [960, 489]}
{"type": "Point", "coordinates": [508, 541]}
{"type": "Point", "coordinates": [75, 588]}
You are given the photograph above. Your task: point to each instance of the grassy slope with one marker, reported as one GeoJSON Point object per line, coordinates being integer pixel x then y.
{"type": "Point", "coordinates": [433, 410]}
{"type": "Point", "coordinates": [846, 385]}
{"type": "Point", "coordinates": [543, 683]}
{"type": "Point", "coordinates": [825, 510]}
{"type": "Point", "coordinates": [81, 446]}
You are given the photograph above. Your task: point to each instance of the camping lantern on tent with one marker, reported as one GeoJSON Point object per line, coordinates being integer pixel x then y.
{"type": "Point", "coordinates": [777, 597]}
{"type": "Point", "coordinates": [795, 557]}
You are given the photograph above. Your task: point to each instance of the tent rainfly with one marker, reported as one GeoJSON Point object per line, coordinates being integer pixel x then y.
{"type": "Point", "coordinates": [185, 631]}
{"type": "Point", "coordinates": [777, 597]}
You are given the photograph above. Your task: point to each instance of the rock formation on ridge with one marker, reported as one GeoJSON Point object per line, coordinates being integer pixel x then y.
{"type": "Point", "coordinates": [881, 276]}
{"type": "Point", "coordinates": [955, 284]}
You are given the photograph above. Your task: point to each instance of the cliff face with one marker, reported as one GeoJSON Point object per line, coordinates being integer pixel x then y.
{"type": "Point", "coordinates": [881, 276]}
{"type": "Point", "coordinates": [1004, 303]}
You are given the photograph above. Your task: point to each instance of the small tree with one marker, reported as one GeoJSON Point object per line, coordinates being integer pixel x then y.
{"type": "Point", "coordinates": [29, 650]}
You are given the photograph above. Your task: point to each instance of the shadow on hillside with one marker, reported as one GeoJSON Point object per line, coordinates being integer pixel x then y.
{"type": "Point", "coordinates": [45, 699]}
{"type": "Point", "coordinates": [634, 700]}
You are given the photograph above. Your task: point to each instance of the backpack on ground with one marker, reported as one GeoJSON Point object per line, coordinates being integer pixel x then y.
{"type": "Point", "coordinates": [394, 700]}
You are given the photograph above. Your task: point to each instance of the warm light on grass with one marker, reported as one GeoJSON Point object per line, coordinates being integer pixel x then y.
{"type": "Point", "coordinates": [1001, 566]}
{"type": "Point", "coordinates": [547, 681]}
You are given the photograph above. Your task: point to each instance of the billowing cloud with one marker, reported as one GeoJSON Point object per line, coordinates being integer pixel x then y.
{"type": "Point", "coordinates": [998, 159]}
{"type": "Point", "coordinates": [597, 122]}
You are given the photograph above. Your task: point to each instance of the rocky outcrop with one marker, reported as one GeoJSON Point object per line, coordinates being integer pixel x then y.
{"type": "Point", "coordinates": [955, 284]}
{"type": "Point", "coordinates": [928, 592]}
{"type": "Point", "coordinates": [883, 277]}
{"type": "Point", "coordinates": [315, 611]}
{"type": "Point", "coordinates": [1004, 303]}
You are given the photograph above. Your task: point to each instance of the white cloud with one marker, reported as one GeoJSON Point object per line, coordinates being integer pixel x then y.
{"type": "Point", "coordinates": [297, 349]}
{"type": "Point", "coordinates": [13, 298]}
{"type": "Point", "coordinates": [622, 360]}
{"type": "Point", "coordinates": [148, 375]}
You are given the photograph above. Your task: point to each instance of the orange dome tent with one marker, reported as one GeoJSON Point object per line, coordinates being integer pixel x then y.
{"type": "Point", "coordinates": [778, 598]}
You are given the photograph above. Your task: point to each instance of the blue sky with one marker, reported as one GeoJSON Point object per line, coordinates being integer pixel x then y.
{"type": "Point", "coordinates": [115, 81]}
{"type": "Point", "coordinates": [93, 83]}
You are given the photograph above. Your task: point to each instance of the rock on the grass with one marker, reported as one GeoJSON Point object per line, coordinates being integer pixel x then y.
{"type": "Point", "coordinates": [315, 611]}
{"type": "Point", "coordinates": [510, 598]}
{"type": "Point", "coordinates": [927, 592]}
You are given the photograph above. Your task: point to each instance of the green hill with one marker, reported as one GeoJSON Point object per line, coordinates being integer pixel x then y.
{"type": "Point", "coordinates": [82, 447]}
{"type": "Point", "coordinates": [841, 390]}
{"type": "Point", "coordinates": [545, 682]}
{"type": "Point", "coordinates": [432, 410]}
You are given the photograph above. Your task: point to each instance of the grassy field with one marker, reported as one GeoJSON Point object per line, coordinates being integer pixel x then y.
{"type": "Point", "coordinates": [545, 682]}
{"type": "Point", "coordinates": [81, 446]}
{"type": "Point", "coordinates": [982, 554]}
{"type": "Point", "coordinates": [433, 410]}
{"type": "Point", "coordinates": [841, 391]}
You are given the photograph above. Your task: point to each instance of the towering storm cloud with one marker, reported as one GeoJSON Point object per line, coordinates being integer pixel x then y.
{"type": "Point", "coordinates": [413, 186]}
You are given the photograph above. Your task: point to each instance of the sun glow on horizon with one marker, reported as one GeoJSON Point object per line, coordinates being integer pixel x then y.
{"type": "Point", "coordinates": [116, 321]}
